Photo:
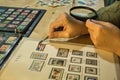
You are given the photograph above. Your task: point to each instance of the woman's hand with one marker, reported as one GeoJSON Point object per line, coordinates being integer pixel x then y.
{"type": "Point", "coordinates": [104, 35]}
{"type": "Point", "coordinates": [71, 27]}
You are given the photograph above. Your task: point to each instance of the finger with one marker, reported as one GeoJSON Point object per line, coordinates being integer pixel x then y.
{"type": "Point", "coordinates": [55, 25]}
{"type": "Point", "coordinates": [99, 22]}
{"type": "Point", "coordinates": [60, 34]}
{"type": "Point", "coordinates": [92, 24]}
{"type": "Point", "coordinates": [92, 35]}
{"type": "Point", "coordinates": [103, 23]}
{"type": "Point", "coordinates": [91, 32]}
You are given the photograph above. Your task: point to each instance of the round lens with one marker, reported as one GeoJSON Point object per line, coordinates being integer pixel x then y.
{"type": "Point", "coordinates": [81, 12]}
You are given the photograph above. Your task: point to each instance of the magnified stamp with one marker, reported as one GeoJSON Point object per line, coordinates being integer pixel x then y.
{"type": "Point", "coordinates": [62, 52]}
{"type": "Point", "coordinates": [36, 65]}
{"type": "Point", "coordinates": [72, 76]}
{"type": "Point", "coordinates": [74, 68]}
{"type": "Point", "coordinates": [56, 74]}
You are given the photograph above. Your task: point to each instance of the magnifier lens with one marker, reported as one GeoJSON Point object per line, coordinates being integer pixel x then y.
{"type": "Point", "coordinates": [83, 13]}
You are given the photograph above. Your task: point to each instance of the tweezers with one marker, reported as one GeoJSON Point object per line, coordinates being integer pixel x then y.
{"type": "Point", "coordinates": [44, 39]}
{"type": "Point", "coordinates": [56, 29]}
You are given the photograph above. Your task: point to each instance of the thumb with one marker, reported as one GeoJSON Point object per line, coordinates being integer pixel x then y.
{"type": "Point", "coordinates": [92, 24]}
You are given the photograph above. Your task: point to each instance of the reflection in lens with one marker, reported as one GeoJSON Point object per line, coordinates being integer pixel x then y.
{"type": "Point", "coordinates": [83, 13]}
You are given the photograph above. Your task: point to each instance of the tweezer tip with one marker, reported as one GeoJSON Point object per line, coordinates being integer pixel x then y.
{"type": "Point", "coordinates": [44, 39]}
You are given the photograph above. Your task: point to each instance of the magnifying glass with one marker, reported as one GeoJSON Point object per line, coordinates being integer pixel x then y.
{"type": "Point", "coordinates": [83, 13]}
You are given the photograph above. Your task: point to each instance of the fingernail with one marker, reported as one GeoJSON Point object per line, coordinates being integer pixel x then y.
{"type": "Point", "coordinates": [92, 20]}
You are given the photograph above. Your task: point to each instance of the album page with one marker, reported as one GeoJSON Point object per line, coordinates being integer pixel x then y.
{"type": "Point", "coordinates": [32, 60]}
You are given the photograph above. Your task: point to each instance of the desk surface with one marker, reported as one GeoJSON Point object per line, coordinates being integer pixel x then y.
{"type": "Point", "coordinates": [42, 28]}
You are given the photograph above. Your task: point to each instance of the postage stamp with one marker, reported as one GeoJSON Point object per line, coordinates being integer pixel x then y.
{"type": "Point", "coordinates": [90, 78]}
{"type": "Point", "coordinates": [91, 54]}
{"type": "Point", "coordinates": [37, 55]}
{"type": "Point", "coordinates": [91, 62]}
{"type": "Point", "coordinates": [40, 47]}
{"type": "Point", "coordinates": [91, 70]}
{"type": "Point", "coordinates": [74, 68]}
{"type": "Point", "coordinates": [57, 62]}
{"type": "Point", "coordinates": [62, 52]}
{"type": "Point", "coordinates": [56, 74]}
{"type": "Point", "coordinates": [72, 76]}
{"type": "Point", "coordinates": [76, 60]}
{"type": "Point", "coordinates": [77, 53]}
{"type": "Point", "coordinates": [4, 48]}
{"type": "Point", "coordinates": [36, 65]}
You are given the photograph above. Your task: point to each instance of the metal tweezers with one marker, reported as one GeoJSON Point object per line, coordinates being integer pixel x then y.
{"type": "Point", "coordinates": [60, 28]}
{"type": "Point", "coordinates": [44, 39]}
